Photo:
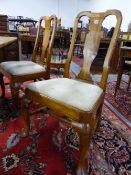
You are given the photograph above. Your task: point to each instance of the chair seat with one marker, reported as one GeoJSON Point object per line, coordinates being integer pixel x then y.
{"type": "Point", "coordinates": [21, 67]}
{"type": "Point", "coordinates": [128, 62]}
{"type": "Point", "coordinates": [77, 94]}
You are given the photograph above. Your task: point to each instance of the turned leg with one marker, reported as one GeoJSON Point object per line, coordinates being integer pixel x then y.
{"type": "Point", "coordinates": [2, 85]}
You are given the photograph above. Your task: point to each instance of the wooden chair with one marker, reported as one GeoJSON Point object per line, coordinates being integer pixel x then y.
{"type": "Point", "coordinates": [77, 101]}
{"type": "Point", "coordinates": [20, 71]}
{"type": "Point", "coordinates": [124, 66]}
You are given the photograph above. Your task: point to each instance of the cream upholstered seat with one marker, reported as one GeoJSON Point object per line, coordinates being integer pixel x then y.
{"type": "Point", "coordinates": [77, 101]}
{"type": "Point", "coordinates": [22, 68]}
{"type": "Point", "coordinates": [128, 62]}
{"type": "Point", "coordinates": [21, 71]}
{"type": "Point", "coordinates": [77, 94]}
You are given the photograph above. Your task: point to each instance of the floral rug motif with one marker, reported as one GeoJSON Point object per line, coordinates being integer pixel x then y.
{"type": "Point", "coordinates": [112, 144]}
{"type": "Point", "coordinates": [53, 148]}
{"type": "Point", "coordinates": [35, 154]}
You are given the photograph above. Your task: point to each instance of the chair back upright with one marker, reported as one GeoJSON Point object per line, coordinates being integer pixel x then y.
{"type": "Point", "coordinates": [45, 39]}
{"type": "Point", "coordinates": [91, 45]}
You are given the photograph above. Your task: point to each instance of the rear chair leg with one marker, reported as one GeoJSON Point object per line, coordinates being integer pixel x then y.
{"type": "Point", "coordinates": [15, 94]}
{"type": "Point", "coordinates": [25, 116]}
{"type": "Point", "coordinates": [98, 119]}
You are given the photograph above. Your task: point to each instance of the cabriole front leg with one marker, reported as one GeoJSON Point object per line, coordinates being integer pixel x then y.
{"type": "Point", "coordinates": [85, 140]}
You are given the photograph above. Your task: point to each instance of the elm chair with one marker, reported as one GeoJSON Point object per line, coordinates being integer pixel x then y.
{"type": "Point", "coordinates": [20, 71]}
{"type": "Point", "coordinates": [77, 101]}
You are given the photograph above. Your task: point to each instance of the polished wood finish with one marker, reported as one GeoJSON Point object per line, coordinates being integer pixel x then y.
{"type": "Point", "coordinates": [125, 55]}
{"type": "Point", "coordinates": [4, 41]}
{"type": "Point", "coordinates": [45, 54]}
{"type": "Point", "coordinates": [10, 51]}
{"type": "Point", "coordinates": [85, 122]}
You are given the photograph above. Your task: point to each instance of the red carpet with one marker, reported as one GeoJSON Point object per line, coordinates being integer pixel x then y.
{"type": "Point", "coordinates": [52, 148]}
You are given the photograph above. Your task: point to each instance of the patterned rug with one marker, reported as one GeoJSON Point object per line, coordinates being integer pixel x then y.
{"type": "Point", "coordinates": [122, 101]}
{"type": "Point", "coordinates": [53, 148]}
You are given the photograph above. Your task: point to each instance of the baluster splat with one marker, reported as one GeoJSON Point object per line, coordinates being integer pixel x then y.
{"type": "Point", "coordinates": [91, 47]}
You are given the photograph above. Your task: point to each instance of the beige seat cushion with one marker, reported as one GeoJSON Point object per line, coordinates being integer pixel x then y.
{"type": "Point", "coordinates": [21, 67]}
{"type": "Point", "coordinates": [128, 62]}
{"type": "Point", "coordinates": [78, 94]}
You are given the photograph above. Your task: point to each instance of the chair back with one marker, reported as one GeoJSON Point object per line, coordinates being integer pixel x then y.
{"type": "Point", "coordinates": [44, 41]}
{"type": "Point", "coordinates": [91, 45]}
